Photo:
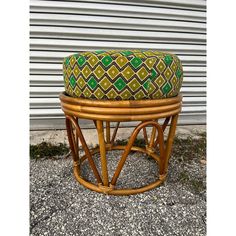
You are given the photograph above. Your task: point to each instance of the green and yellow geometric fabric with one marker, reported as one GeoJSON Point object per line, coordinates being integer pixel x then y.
{"type": "Point", "coordinates": [122, 75]}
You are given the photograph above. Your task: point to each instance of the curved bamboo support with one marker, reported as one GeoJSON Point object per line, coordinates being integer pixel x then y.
{"type": "Point", "coordinates": [130, 144]}
{"type": "Point", "coordinates": [146, 111]}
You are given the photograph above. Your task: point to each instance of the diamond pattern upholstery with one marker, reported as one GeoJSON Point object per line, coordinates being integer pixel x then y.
{"type": "Point", "coordinates": [122, 75]}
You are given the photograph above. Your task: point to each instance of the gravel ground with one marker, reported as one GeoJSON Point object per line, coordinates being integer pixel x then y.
{"type": "Point", "coordinates": [61, 206]}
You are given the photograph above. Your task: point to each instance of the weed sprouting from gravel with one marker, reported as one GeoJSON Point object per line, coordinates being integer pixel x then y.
{"type": "Point", "coordinates": [189, 148]}
{"type": "Point", "coordinates": [48, 150]}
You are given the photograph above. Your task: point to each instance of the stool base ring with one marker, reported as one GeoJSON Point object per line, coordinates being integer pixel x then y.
{"type": "Point", "coordinates": [110, 189]}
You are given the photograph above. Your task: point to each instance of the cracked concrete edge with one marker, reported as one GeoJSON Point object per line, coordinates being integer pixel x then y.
{"type": "Point", "coordinates": [60, 136]}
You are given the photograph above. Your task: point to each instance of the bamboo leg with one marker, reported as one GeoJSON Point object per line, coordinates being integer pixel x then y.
{"type": "Point", "coordinates": [86, 149]}
{"type": "Point", "coordinates": [165, 123]}
{"type": "Point", "coordinates": [114, 133]}
{"type": "Point", "coordinates": [71, 141]}
{"type": "Point", "coordinates": [108, 132]}
{"type": "Point", "coordinates": [170, 139]}
{"type": "Point", "coordinates": [77, 139]}
{"type": "Point", "coordinates": [150, 145]}
{"type": "Point", "coordinates": [163, 129]}
{"type": "Point", "coordinates": [102, 152]}
{"type": "Point", "coordinates": [145, 135]}
{"type": "Point", "coordinates": [152, 138]}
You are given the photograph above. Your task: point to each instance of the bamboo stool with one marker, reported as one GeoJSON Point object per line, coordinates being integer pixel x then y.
{"type": "Point", "coordinates": [76, 105]}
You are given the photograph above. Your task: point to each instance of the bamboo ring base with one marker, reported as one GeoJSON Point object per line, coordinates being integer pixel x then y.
{"type": "Point", "coordinates": [147, 112]}
{"type": "Point", "coordinates": [110, 189]}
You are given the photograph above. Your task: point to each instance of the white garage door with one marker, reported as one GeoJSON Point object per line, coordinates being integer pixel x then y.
{"type": "Point", "coordinates": [60, 28]}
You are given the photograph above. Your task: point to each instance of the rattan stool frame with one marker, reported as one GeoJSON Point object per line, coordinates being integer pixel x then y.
{"type": "Point", "coordinates": [148, 112]}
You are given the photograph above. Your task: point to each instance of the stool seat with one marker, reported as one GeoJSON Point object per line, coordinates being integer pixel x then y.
{"type": "Point", "coordinates": [121, 86]}
{"type": "Point", "coordinates": [122, 75]}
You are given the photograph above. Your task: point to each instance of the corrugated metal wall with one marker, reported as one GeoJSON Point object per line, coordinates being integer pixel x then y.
{"type": "Point", "coordinates": [59, 28]}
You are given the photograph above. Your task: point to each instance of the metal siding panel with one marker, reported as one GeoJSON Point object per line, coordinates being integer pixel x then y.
{"type": "Point", "coordinates": [73, 46]}
{"type": "Point", "coordinates": [88, 8]}
{"type": "Point", "coordinates": [60, 28]}
{"type": "Point", "coordinates": [111, 34]}
{"type": "Point", "coordinates": [67, 20]}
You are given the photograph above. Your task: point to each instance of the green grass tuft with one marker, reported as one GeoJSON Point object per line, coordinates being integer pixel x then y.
{"type": "Point", "coordinates": [48, 150]}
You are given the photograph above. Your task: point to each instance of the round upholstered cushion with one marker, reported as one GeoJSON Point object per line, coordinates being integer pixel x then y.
{"type": "Point", "coordinates": [122, 75]}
